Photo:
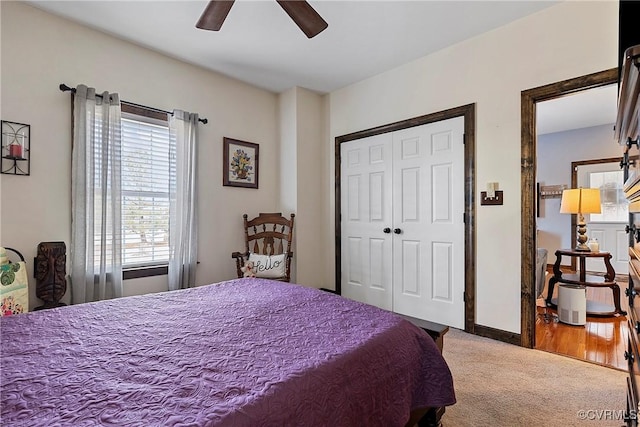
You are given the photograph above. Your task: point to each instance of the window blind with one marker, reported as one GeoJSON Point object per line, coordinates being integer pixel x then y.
{"type": "Point", "coordinates": [146, 170]}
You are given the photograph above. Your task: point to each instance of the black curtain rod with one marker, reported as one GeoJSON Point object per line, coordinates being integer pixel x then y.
{"type": "Point", "coordinates": [64, 88]}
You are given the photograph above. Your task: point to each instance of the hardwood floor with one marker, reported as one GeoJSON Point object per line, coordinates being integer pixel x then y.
{"type": "Point", "coordinates": [602, 340]}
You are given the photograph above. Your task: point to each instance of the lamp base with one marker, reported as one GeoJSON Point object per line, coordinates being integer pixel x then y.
{"type": "Point", "coordinates": [582, 235]}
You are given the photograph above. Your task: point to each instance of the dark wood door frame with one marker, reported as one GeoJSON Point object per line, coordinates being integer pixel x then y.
{"type": "Point", "coordinates": [574, 184]}
{"type": "Point", "coordinates": [469, 113]}
{"type": "Point", "coordinates": [529, 98]}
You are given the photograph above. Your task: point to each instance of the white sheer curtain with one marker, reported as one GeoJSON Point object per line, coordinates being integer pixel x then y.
{"type": "Point", "coordinates": [183, 233]}
{"type": "Point", "coordinates": [96, 257]}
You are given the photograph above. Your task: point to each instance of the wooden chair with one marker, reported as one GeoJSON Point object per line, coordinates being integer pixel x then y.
{"type": "Point", "coordinates": [267, 234]}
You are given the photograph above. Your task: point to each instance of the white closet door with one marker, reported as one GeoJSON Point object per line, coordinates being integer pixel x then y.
{"type": "Point", "coordinates": [428, 208]}
{"type": "Point", "coordinates": [365, 170]}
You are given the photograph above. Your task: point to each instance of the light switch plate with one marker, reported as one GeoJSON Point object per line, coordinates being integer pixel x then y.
{"type": "Point", "coordinates": [486, 201]}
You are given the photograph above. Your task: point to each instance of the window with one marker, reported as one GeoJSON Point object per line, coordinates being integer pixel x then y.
{"type": "Point", "coordinates": [146, 171]}
{"type": "Point", "coordinates": [615, 207]}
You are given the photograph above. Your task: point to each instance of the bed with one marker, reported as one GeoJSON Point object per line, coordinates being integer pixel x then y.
{"type": "Point", "coordinates": [246, 352]}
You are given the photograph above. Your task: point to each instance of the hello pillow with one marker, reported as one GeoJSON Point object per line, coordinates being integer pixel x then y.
{"type": "Point", "coordinates": [269, 266]}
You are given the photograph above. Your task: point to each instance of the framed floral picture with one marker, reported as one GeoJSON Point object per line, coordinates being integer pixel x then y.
{"type": "Point", "coordinates": [240, 167]}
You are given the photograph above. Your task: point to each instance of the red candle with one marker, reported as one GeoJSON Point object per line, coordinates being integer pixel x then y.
{"type": "Point", "coordinates": [15, 150]}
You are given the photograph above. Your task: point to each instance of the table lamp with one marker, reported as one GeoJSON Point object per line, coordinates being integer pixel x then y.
{"type": "Point", "coordinates": [581, 201]}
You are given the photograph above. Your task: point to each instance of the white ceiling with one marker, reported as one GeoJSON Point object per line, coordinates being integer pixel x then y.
{"type": "Point", "coordinates": [583, 109]}
{"type": "Point", "coordinates": [261, 45]}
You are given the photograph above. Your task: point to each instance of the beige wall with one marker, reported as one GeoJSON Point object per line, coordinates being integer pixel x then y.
{"type": "Point", "coordinates": [39, 51]}
{"type": "Point", "coordinates": [302, 131]}
{"type": "Point", "coordinates": [287, 108]}
{"type": "Point", "coordinates": [564, 41]}
{"type": "Point", "coordinates": [310, 220]}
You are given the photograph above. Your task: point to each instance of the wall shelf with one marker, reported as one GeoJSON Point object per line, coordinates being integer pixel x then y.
{"type": "Point", "coordinates": [551, 191]}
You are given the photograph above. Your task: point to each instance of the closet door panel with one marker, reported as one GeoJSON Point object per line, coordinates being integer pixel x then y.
{"type": "Point", "coordinates": [353, 197]}
{"type": "Point", "coordinates": [442, 278]}
{"type": "Point", "coordinates": [366, 249]}
{"type": "Point", "coordinates": [410, 267]}
{"type": "Point", "coordinates": [354, 268]}
{"type": "Point", "coordinates": [377, 264]}
{"type": "Point", "coordinates": [428, 209]}
{"type": "Point", "coordinates": [441, 194]}
{"type": "Point", "coordinates": [410, 195]}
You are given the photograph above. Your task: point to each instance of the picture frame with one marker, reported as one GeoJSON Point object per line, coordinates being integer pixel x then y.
{"type": "Point", "coordinates": [240, 163]}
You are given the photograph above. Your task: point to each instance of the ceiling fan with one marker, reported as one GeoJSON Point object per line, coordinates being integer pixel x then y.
{"type": "Point", "coordinates": [305, 16]}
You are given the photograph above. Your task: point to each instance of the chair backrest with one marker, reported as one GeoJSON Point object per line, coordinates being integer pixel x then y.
{"type": "Point", "coordinates": [269, 234]}
{"type": "Point", "coordinates": [541, 269]}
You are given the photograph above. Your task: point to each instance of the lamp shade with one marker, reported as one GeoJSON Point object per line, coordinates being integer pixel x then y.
{"type": "Point", "coordinates": [581, 200]}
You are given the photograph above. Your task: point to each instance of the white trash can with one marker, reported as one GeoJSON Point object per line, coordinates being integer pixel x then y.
{"type": "Point", "coordinates": [572, 304]}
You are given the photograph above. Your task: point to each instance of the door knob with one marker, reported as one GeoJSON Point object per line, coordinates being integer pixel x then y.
{"type": "Point", "coordinates": [386, 230]}
{"type": "Point", "coordinates": [397, 230]}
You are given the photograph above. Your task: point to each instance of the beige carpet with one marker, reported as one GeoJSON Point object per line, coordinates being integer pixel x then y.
{"type": "Point", "coordinates": [500, 384]}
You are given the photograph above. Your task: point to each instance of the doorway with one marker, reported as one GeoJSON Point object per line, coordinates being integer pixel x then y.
{"type": "Point", "coordinates": [529, 99]}
{"type": "Point", "coordinates": [600, 339]}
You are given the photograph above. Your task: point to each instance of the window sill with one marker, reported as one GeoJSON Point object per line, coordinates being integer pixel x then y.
{"type": "Point", "coordinates": [136, 273]}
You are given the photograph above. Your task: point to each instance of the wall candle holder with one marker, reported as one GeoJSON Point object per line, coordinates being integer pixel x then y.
{"type": "Point", "coordinates": [15, 148]}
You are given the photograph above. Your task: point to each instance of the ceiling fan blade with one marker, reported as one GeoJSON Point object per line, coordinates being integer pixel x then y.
{"type": "Point", "coordinates": [214, 15]}
{"type": "Point", "coordinates": [305, 16]}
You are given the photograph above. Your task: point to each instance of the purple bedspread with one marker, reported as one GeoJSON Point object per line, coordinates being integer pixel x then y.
{"type": "Point", "coordinates": [246, 352]}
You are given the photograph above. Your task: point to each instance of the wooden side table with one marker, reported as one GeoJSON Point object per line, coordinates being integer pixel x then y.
{"type": "Point", "coordinates": [587, 280]}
